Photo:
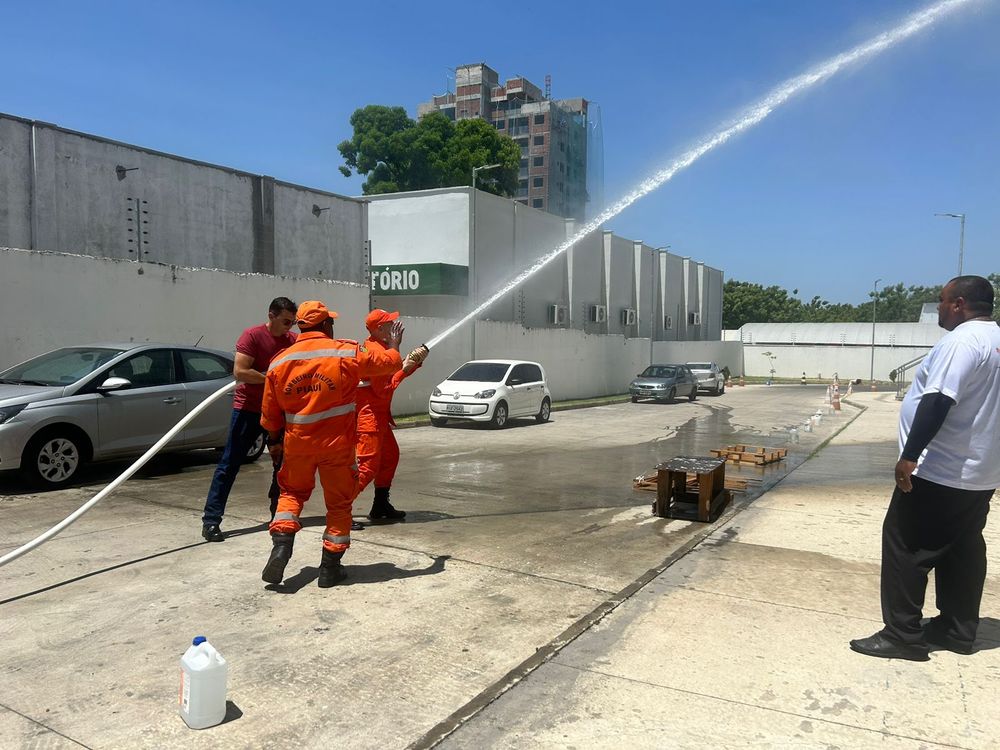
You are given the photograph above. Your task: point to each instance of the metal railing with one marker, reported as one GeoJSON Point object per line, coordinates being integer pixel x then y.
{"type": "Point", "coordinates": [898, 375]}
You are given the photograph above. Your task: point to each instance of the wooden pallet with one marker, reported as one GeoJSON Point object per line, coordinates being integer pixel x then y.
{"type": "Point", "coordinates": [750, 454]}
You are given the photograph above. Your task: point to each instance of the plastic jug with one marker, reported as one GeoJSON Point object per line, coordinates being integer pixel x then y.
{"type": "Point", "coordinates": [203, 685]}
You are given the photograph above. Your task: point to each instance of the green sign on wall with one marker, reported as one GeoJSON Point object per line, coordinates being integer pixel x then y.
{"type": "Point", "coordinates": [420, 278]}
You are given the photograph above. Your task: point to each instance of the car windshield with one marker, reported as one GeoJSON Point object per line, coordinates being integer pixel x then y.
{"type": "Point", "coordinates": [659, 371]}
{"type": "Point", "coordinates": [481, 372]}
{"type": "Point", "coordinates": [60, 367]}
{"type": "Point", "coordinates": [700, 365]}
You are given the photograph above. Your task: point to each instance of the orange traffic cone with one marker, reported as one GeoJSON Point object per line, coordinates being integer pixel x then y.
{"type": "Point", "coordinates": [742, 381]}
{"type": "Point", "coordinates": [729, 381]}
{"type": "Point", "coordinates": [836, 398]}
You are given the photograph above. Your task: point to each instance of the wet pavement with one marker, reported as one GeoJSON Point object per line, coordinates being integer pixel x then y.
{"type": "Point", "coordinates": [517, 543]}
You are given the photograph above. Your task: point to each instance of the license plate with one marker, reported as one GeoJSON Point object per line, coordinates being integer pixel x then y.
{"type": "Point", "coordinates": [454, 408]}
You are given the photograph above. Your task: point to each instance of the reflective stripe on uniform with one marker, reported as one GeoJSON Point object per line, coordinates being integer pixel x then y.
{"type": "Point", "coordinates": [313, 354]}
{"type": "Point", "coordinates": [337, 539]}
{"type": "Point", "coordinates": [319, 416]}
{"type": "Point", "coordinates": [286, 515]}
{"type": "Point", "coordinates": [364, 384]}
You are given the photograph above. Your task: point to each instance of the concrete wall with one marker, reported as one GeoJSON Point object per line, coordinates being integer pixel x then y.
{"type": "Point", "coordinates": [51, 300]}
{"type": "Point", "coordinates": [619, 274]}
{"type": "Point", "coordinates": [60, 192]}
{"type": "Point", "coordinates": [586, 259]}
{"type": "Point", "coordinates": [100, 299]}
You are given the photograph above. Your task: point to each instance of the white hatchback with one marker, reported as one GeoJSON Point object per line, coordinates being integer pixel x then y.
{"type": "Point", "coordinates": [492, 390]}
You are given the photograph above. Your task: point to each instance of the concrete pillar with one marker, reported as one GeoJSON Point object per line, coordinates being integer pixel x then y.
{"type": "Point", "coordinates": [263, 225]}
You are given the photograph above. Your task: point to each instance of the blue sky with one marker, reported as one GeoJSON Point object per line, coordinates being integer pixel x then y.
{"type": "Point", "coordinates": [834, 190]}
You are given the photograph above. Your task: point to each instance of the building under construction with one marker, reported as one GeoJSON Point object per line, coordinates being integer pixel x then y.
{"type": "Point", "coordinates": [552, 134]}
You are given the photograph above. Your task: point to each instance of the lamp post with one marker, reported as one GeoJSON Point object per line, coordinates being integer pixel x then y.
{"type": "Point", "coordinates": [473, 285]}
{"type": "Point", "coordinates": [961, 237]}
{"type": "Point", "coordinates": [652, 293]}
{"type": "Point", "coordinates": [871, 377]}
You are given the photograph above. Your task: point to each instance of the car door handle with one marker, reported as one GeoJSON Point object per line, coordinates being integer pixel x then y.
{"type": "Point", "coordinates": [172, 400]}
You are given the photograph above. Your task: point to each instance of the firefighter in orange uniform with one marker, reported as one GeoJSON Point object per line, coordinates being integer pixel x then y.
{"type": "Point", "coordinates": [378, 451]}
{"type": "Point", "coordinates": [309, 393]}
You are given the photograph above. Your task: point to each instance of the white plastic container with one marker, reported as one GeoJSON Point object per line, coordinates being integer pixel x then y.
{"type": "Point", "coordinates": [203, 685]}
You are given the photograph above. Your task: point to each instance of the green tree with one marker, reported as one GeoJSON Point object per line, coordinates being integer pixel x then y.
{"type": "Point", "coordinates": [396, 153]}
{"type": "Point", "coordinates": [745, 302]}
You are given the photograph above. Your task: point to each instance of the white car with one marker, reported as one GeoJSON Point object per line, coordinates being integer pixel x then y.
{"type": "Point", "coordinates": [494, 391]}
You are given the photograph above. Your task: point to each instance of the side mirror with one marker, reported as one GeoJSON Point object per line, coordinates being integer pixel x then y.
{"type": "Point", "coordinates": [114, 384]}
{"type": "Point", "coordinates": [515, 381]}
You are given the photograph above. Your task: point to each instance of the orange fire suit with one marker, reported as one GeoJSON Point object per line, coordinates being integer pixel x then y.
{"type": "Point", "coordinates": [378, 451]}
{"type": "Point", "coordinates": [310, 393]}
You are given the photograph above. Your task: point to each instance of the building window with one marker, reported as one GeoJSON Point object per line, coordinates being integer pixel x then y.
{"type": "Point", "coordinates": [539, 161]}
{"type": "Point", "coordinates": [539, 119]}
{"type": "Point", "coordinates": [538, 203]}
{"type": "Point", "coordinates": [524, 163]}
{"type": "Point", "coordinates": [539, 140]}
{"type": "Point", "coordinates": [501, 124]}
{"type": "Point", "coordinates": [522, 185]}
{"type": "Point", "coordinates": [538, 182]}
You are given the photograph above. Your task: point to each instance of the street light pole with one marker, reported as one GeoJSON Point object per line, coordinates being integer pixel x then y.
{"type": "Point", "coordinates": [871, 377]}
{"type": "Point", "coordinates": [473, 285]}
{"type": "Point", "coordinates": [652, 293]}
{"type": "Point", "coordinates": [961, 237]}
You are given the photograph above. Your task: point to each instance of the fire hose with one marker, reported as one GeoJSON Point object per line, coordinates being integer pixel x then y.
{"type": "Point", "coordinates": [139, 463]}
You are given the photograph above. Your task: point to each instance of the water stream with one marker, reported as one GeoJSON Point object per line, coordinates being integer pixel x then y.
{"type": "Point", "coordinates": [754, 114]}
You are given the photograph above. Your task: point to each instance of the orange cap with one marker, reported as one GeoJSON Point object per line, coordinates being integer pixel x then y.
{"type": "Point", "coordinates": [378, 318]}
{"type": "Point", "coordinates": [312, 313]}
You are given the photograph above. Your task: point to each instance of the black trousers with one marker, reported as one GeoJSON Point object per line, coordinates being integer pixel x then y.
{"type": "Point", "coordinates": [940, 528]}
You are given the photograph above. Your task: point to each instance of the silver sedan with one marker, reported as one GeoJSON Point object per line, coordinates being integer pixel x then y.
{"type": "Point", "coordinates": [103, 401]}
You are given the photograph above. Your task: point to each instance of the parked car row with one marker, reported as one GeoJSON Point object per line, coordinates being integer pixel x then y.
{"type": "Point", "coordinates": [667, 382]}
{"type": "Point", "coordinates": [77, 404]}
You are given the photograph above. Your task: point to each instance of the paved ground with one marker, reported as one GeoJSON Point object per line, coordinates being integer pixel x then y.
{"type": "Point", "coordinates": [529, 601]}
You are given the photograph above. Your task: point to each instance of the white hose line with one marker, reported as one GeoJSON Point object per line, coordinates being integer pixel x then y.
{"type": "Point", "coordinates": [139, 463]}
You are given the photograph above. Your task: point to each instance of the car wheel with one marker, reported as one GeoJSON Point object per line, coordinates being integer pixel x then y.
{"type": "Point", "coordinates": [438, 421]}
{"type": "Point", "coordinates": [499, 418]}
{"type": "Point", "coordinates": [635, 399]}
{"type": "Point", "coordinates": [544, 412]}
{"type": "Point", "coordinates": [672, 395]}
{"type": "Point", "coordinates": [53, 459]}
{"type": "Point", "coordinates": [694, 394]}
{"type": "Point", "coordinates": [254, 451]}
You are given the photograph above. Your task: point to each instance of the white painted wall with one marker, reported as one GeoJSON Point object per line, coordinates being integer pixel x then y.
{"type": "Point", "coordinates": [48, 300]}
{"type": "Point", "coordinates": [849, 362]}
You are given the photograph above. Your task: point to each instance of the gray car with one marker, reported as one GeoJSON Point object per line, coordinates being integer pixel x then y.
{"type": "Point", "coordinates": [112, 400]}
{"type": "Point", "coordinates": [664, 383]}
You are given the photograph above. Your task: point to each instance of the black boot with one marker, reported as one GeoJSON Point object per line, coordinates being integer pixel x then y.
{"type": "Point", "coordinates": [281, 553]}
{"type": "Point", "coordinates": [331, 571]}
{"type": "Point", "coordinates": [382, 509]}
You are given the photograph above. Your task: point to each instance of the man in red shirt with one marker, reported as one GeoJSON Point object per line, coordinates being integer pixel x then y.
{"type": "Point", "coordinates": [254, 351]}
{"type": "Point", "coordinates": [378, 451]}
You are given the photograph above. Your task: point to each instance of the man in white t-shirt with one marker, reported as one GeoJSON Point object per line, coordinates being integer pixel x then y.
{"type": "Point", "coordinates": [949, 467]}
